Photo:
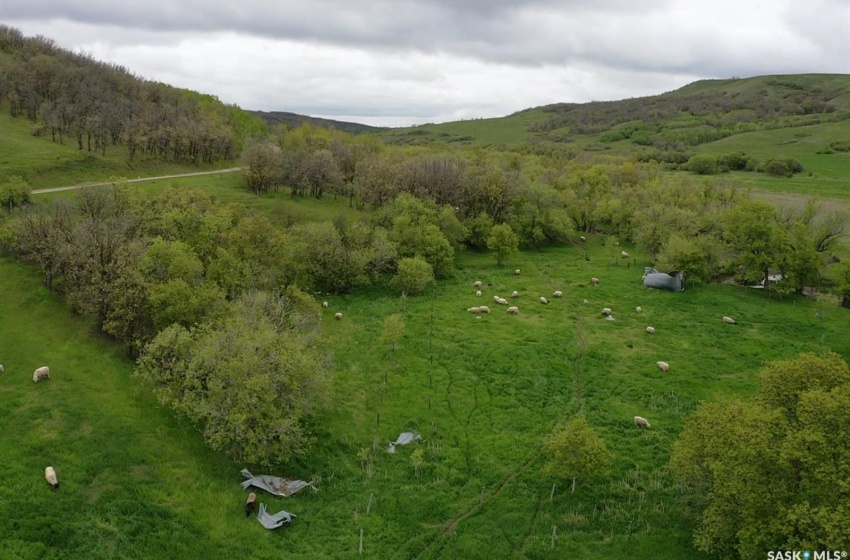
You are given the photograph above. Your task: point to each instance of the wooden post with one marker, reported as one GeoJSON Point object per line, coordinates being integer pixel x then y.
{"type": "Point", "coordinates": [361, 541]}
{"type": "Point", "coordinates": [554, 535]}
{"type": "Point", "coordinates": [552, 493]}
{"type": "Point", "coordinates": [369, 503]}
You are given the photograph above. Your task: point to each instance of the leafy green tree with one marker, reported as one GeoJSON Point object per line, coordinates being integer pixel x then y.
{"type": "Point", "coordinates": [757, 237]}
{"type": "Point", "coordinates": [702, 164]}
{"type": "Point", "coordinates": [40, 237]}
{"type": "Point", "coordinates": [14, 191]}
{"type": "Point", "coordinates": [263, 164]}
{"type": "Point", "coordinates": [844, 283]}
{"type": "Point", "coordinates": [323, 260]}
{"type": "Point", "coordinates": [540, 216]}
{"type": "Point", "coordinates": [771, 473]}
{"type": "Point", "coordinates": [413, 276]}
{"type": "Point", "coordinates": [393, 330]}
{"type": "Point", "coordinates": [576, 452]}
{"type": "Point", "coordinates": [479, 228]}
{"type": "Point", "coordinates": [503, 242]}
{"type": "Point", "coordinates": [178, 301]}
{"type": "Point", "coordinates": [685, 254]}
{"type": "Point", "coordinates": [251, 380]}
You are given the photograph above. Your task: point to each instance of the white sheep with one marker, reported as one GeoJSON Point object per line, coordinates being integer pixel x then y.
{"type": "Point", "coordinates": [650, 330]}
{"type": "Point", "coordinates": [496, 299]}
{"type": "Point", "coordinates": [250, 504]}
{"type": "Point", "coordinates": [624, 254]}
{"type": "Point", "coordinates": [325, 304]}
{"type": "Point", "coordinates": [557, 293]}
{"type": "Point", "coordinates": [514, 293]}
{"type": "Point", "coordinates": [641, 422]}
{"type": "Point", "coordinates": [584, 301]}
{"type": "Point", "coordinates": [337, 315]}
{"type": "Point", "coordinates": [583, 238]}
{"type": "Point", "coordinates": [475, 310]}
{"type": "Point", "coordinates": [729, 320]}
{"type": "Point", "coordinates": [638, 309]}
{"type": "Point", "coordinates": [606, 311]}
{"type": "Point", "coordinates": [663, 366]}
{"type": "Point", "coordinates": [476, 284]}
{"type": "Point", "coordinates": [41, 373]}
{"type": "Point", "coordinates": [513, 310]}
{"type": "Point", "coordinates": [50, 477]}
{"type": "Point", "coordinates": [1, 368]}
{"type": "Point", "coordinates": [484, 309]}
{"type": "Point", "coordinates": [594, 281]}
{"type": "Point", "coordinates": [478, 293]}
{"type": "Point", "coordinates": [502, 301]}
{"type": "Point", "coordinates": [516, 272]}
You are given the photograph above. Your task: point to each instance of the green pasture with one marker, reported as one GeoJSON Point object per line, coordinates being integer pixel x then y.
{"type": "Point", "coordinates": [44, 163]}
{"type": "Point", "coordinates": [136, 481]}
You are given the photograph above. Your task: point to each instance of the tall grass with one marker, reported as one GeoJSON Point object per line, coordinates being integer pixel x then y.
{"type": "Point", "coordinates": [137, 482]}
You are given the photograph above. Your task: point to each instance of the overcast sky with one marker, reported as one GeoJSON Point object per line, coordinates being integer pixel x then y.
{"type": "Point", "coordinates": [403, 62]}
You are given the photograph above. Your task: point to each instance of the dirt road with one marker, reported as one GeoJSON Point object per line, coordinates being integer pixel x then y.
{"type": "Point", "coordinates": [139, 180]}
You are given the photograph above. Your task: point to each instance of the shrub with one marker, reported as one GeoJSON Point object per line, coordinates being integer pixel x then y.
{"type": "Point", "coordinates": [703, 164]}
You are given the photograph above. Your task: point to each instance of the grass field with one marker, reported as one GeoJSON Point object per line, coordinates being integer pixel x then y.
{"type": "Point", "coordinates": [44, 163]}
{"type": "Point", "coordinates": [137, 482]}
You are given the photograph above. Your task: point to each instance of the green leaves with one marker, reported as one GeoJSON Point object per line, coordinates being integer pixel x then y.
{"type": "Point", "coordinates": [577, 452]}
{"type": "Point", "coordinates": [773, 471]}
{"type": "Point", "coordinates": [503, 242]}
{"type": "Point", "coordinates": [251, 379]}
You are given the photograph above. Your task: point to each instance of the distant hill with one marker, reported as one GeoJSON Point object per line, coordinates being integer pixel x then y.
{"type": "Point", "coordinates": [295, 120]}
{"type": "Point", "coordinates": [699, 113]}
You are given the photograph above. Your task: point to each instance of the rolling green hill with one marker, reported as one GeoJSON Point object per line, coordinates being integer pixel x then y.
{"type": "Point", "coordinates": [295, 120]}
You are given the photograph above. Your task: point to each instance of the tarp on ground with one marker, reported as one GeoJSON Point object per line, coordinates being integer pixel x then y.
{"type": "Point", "coordinates": [403, 439]}
{"type": "Point", "coordinates": [270, 521]}
{"type": "Point", "coordinates": [274, 484]}
{"type": "Point", "coordinates": [673, 280]}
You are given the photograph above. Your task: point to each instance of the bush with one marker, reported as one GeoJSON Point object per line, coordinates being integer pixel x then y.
{"type": "Point", "coordinates": [703, 164]}
{"type": "Point", "coordinates": [14, 191]}
{"type": "Point", "coordinates": [414, 275]}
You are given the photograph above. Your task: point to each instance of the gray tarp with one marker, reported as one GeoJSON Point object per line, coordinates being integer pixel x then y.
{"type": "Point", "coordinates": [274, 484]}
{"type": "Point", "coordinates": [273, 521]}
{"type": "Point", "coordinates": [403, 439]}
{"type": "Point", "coordinates": [673, 280]}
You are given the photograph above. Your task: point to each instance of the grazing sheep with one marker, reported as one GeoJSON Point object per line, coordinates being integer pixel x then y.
{"type": "Point", "coordinates": [41, 373]}
{"type": "Point", "coordinates": [337, 315]}
{"type": "Point", "coordinates": [478, 293]}
{"type": "Point", "coordinates": [650, 330]}
{"type": "Point", "coordinates": [325, 304]}
{"type": "Point", "coordinates": [50, 477]}
{"type": "Point", "coordinates": [557, 293]}
{"type": "Point", "coordinates": [516, 272]}
{"type": "Point", "coordinates": [584, 301]}
{"type": "Point", "coordinates": [513, 310]}
{"type": "Point", "coordinates": [641, 422]}
{"type": "Point", "coordinates": [583, 238]}
{"type": "Point", "coordinates": [663, 366]}
{"type": "Point", "coordinates": [475, 310]}
{"type": "Point", "coordinates": [514, 293]}
{"type": "Point", "coordinates": [638, 309]}
{"type": "Point", "coordinates": [496, 299]}
{"type": "Point", "coordinates": [1, 368]}
{"type": "Point", "coordinates": [594, 281]}
{"type": "Point", "coordinates": [727, 320]}
{"type": "Point", "coordinates": [476, 284]}
{"type": "Point", "coordinates": [250, 504]}
{"type": "Point", "coordinates": [502, 301]}
{"type": "Point", "coordinates": [624, 255]}
{"type": "Point", "coordinates": [606, 311]}
{"type": "Point", "coordinates": [484, 309]}
{"type": "Point", "coordinates": [543, 300]}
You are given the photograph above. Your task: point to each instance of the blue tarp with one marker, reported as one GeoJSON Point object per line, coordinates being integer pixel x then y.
{"type": "Point", "coordinates": [673, 280]}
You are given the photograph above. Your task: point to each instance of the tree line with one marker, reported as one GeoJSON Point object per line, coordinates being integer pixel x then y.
{"type": "Point", "coordinates": [711, 230]}
{"type": "Point", "coordinates": [74, 98]}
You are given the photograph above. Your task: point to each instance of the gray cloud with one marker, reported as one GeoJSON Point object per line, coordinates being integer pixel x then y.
{"type": "Point", "coordinates": [442, 59]}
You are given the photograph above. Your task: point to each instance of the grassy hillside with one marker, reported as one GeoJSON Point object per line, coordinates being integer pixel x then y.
{"type": "Point", "coordinates": [295, 120]}
{"type": "Point", "coordinates": [44, 163]}
{"type": "Point", "coordinates": [137, 482]}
